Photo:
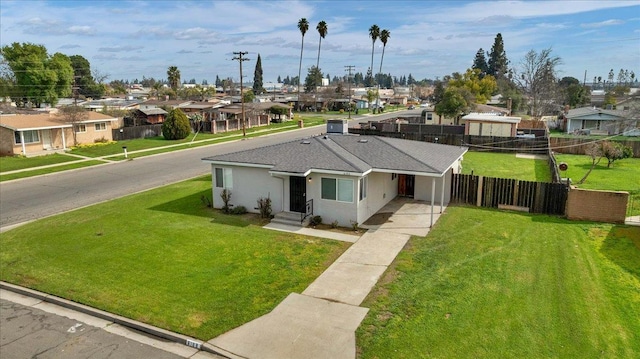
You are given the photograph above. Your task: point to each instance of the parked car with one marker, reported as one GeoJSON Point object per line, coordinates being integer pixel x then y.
{"type": "Point", "coordinates": [411, 107]}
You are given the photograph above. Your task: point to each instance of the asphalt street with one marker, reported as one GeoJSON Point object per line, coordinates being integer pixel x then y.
{"type": "Point", "coordinates": [28, 332]}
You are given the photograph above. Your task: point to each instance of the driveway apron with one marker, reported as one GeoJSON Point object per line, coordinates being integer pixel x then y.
{"type": "Point", "coordinates": [321, 322]}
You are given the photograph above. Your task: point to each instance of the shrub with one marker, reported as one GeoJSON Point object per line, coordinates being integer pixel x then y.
{"type": "Point", "coordinates": [226, 198]}
{"type": "Point", "coordinates": [264, 206]}
{"type": "Point", "coordinates": [176, 126]}
{"type": "Point", "coordinates": [315, 220]}
{"type": "Point", "coordinates": [239, 210]}
{"type": "Point", "coordinates": [334, 224]}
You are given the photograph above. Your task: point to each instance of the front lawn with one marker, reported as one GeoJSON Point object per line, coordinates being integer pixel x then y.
{"type": "Point", "coordinates": [623, 175]}
{"type": "Point", "coordinates": [492, 284]}
{"type": "Point", "coordinates": [505, 165]}
{"type": "Point", "coordinates": [14, 163]}
{"type": "Point", "coordinates": [164, 258]}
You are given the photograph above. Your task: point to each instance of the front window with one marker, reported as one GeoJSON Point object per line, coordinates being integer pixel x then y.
{"type": "Point", "coordinates": [30, 136]}
{"type": "Point", "coordinates": [337, 189]}
{"type": "Point", "coordinates": [101, 126]}
{"type": "Point", "coordinates": [81, 128]}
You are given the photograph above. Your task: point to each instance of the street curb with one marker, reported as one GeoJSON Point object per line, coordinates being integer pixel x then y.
{"type": "Point", "coordinates": [117, 319]}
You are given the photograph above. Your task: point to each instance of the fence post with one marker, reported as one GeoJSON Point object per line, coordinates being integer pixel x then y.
{"type": "Point", "coordinates": [479, 194]}
{"type": "Point", "coordinates": [515, 193]}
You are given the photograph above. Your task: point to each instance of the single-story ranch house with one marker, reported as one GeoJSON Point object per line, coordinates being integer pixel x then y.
{"type": "Point", "coordinates": [340, 177]}
{"type": "Point", "coordinates": [597, 121]}
{"type": "Point", "coordinates": [38, 134]}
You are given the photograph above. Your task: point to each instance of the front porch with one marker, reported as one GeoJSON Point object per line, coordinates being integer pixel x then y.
{"type": "Point", "coordinates": [405, 215]}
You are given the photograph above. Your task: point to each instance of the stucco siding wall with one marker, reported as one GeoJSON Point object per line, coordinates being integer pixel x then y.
{"type": "Point", "coordinates": [422, 191]}
{"type": "Point", "coordinates": [248, 185]}
{"type": "Point", "coordinates": [381, 189]}
{"type": "Point", "coordinates": [91, 134]}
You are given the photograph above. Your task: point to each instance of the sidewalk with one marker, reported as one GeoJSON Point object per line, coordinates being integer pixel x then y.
{"type": "Point", "coordinates": [321, 322]}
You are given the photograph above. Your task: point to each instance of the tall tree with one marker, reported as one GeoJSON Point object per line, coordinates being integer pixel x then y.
{"type": "Point", "coordinates": [36, 77]}
{"type": "Point", "coordinates": [87, 86]}
{"type": "Point", "coordinates": [536, 77]}
{"type": "Point", "coordinates": [313, 77]}
{"type": "Point", "coordinates": [498, 63]}
{"type": "Point", "coordinates": [384, 38]}
{"type": "Point", "coordinates": [374, 33]}
{"type": "Point", "coordinates": [173, 75]}
{"type": "Point", "coordinates": [258, 87]}
{"type": "Point", "coordinates": [322, 31]}
{"type": "Point", "coordinates": [480, 88]}
{"type": "Point", "coordinates": [303, 26]}
{"type": "Point", "coordinates": [480, 63]}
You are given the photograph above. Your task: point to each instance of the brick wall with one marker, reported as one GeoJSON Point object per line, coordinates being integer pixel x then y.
{"type": "Point", "coordinates": [599, 206]}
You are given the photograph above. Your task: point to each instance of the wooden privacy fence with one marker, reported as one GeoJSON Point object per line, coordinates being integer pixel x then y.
{"type": "Point", "coordinates": [529, 196]}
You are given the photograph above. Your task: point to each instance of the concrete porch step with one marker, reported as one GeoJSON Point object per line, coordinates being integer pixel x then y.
{"type": "Point", "coordinates": [290, 218]}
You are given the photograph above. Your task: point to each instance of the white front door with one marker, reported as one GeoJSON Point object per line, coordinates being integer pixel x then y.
{"type": "Point", "coordinates": [46, 139]}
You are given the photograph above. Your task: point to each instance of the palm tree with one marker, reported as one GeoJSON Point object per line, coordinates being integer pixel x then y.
{"type": "Point", "coordinates": [384, 37]}
{"type": "Point", "coordinates": [374, 33]}
{"type": "Point", "coordinates": [303, 26]}
{"type": "Point", "coordinates": [173, 75]}
{"type": "Point", "coordinates": [322, 30]}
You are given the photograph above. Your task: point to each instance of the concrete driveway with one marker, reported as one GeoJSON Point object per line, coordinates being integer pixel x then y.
{"type": "Point", "coordinates": [321, 322]}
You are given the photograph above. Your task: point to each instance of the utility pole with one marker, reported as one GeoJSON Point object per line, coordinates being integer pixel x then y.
{"type": "Point", "coordinates": [349, 68]}
{"type": "Point", "coordinates": [240, 59]}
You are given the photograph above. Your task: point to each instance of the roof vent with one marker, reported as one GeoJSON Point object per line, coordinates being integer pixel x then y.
{"type": "Point", "coordinates": [363, 141]}
{"type": "Point", "coordinates": [305, 142]}
{"type": "Point", "coordinates": [326, 137]}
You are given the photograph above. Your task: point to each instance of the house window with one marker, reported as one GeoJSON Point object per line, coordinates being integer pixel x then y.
{"type": "Point", "coordinates": [224, 178]}
{"type": "Point", "coordinates": [337, 189]}
{"type": "Point", "coordinates": [81, 128]}
{"type": "Point", "coordinates": [101, 126]}
{"type": "Point", "coordinates": [363, 187]}
{"type": "Point", "coordinates": [394, 176]}
{"type": "Point", "coordinates": [429, 116]}
{"type": "Point", "coordinates": [30, 136]}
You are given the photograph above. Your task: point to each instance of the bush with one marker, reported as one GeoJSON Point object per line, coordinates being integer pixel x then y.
{"type": "Point", "coordinates": [239, 210]}
{"type": "Point", "coordinates": [226, 198]}
{"type": "Point", "coordinates": [334, 224]}
{"type": "Point", "coordinates": [315, 220]}
{"type": "Point", "coordinates": [176, 126]}
{"type": "Point", "coordinates": [264, 206]}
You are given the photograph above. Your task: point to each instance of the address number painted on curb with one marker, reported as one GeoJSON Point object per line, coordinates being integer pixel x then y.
{"type": "Point", "coordinates": [193, 344]}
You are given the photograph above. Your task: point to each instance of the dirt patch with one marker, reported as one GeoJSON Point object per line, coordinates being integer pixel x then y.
{"type": "Point", "coordinates": [378, 219]}
{"type": "Point", "coordinates": [345, 230]}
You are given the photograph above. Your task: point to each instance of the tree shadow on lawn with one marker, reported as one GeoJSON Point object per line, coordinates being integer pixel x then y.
{"type": "Point", "coordinates": [622, 247]}
{"type": "Point", "coordinates": [198, 204]}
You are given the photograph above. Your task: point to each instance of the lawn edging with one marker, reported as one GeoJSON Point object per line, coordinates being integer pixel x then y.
{"type": "Point", "coordinates": [117, 319]}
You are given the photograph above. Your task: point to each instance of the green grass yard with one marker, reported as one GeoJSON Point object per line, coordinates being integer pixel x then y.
{"type": "Point", "coordinates": [8, 164]}
{"type": "Point", "coordinates": [623, 175]}
{"type": "Point", "coordinates": [505, 165]}
{"type": "Point", "coordinates": [492, 284]}
{"type": "Point", "coordinates": [164, 258]}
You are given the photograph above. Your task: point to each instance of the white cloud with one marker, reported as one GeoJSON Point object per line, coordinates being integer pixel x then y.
{"type": "Point", "coordinates": [611, 22]}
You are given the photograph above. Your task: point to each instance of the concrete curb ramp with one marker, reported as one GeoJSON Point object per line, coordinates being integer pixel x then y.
{"type": "Point", "coordinates": [299, 327]}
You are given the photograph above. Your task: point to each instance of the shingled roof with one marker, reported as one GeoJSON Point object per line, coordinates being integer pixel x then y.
{"type": "Point", "coordinates": [352, 154]}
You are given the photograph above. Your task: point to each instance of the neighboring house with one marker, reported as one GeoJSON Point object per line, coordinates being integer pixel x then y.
{"type": "Point", "coordinates": [598, 121]}
{"type": "Point", "coordinates": [111, 104]}
{"type": "Point", "coordinates": [147, 116]}
{"type": "Point", "coordinates": [340, 177]}
{"type": "Point", "coordinates": [490, 124]}
{"type": "Point", "coordinates": [168, 104]}
{"type": "Point", "coordinates": [37, 134]}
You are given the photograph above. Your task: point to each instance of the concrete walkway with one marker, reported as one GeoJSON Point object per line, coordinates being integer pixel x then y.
{"type": "Point", "coordinates": [321, 322]}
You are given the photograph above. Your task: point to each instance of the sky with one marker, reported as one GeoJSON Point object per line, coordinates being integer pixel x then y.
{"type": "Point", "coordinates": [429, 39]}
